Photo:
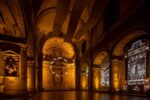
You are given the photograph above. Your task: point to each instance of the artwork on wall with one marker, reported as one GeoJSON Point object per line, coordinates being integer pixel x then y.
{"type": "Point", "coordinates": [105, 73]}
{"type": "Point", "coordinates": [61, 69]}
{"type": "Point", "coordinates": [137, 69]}
{"type": "Point", "coordinates": [137, 63]}
{"type": "Point", "coordinates": [11, 60]}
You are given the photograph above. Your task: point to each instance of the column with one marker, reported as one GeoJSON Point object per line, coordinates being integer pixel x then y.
{"type": "Point", "coordinates": [30, 76]}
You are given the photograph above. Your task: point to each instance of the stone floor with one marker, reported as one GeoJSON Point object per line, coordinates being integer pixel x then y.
{"type": "Point", "coordinates": [76, 95]}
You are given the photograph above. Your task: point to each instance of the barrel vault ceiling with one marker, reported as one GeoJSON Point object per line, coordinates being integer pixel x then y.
{"type": "Point", "coordinates": [68, 18]}
{"type": "Point", "coordinates": [11, 19]}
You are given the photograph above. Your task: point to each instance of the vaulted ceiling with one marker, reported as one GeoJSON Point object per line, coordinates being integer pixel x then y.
{"type": "Point", "coordinates": [68, 18]}
{"type": "Point", "coordinates": [64, 17]}
{"type": "Point", "coordinates": [12, 18]}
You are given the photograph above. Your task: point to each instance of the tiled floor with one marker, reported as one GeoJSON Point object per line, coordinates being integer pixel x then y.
{"type": "Point", "coordinates": [72, 95]}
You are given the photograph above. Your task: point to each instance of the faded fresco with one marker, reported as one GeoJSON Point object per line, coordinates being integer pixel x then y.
{"type": "Point", "coordinates": [11, 60]}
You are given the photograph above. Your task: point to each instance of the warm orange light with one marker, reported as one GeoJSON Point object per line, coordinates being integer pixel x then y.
{"type": "Point", "coordinates": [116, 74]}
{"type": "Point", "coordinates": [96, 78]}
{"type": "Point", "coordinates": [1, 86]}
{"type": "Point", "coordinates": [116, 82]}
{"type": "Point", "coordinates": [97, 82]}
{"type": "Point", "coordinates": [30, 76]}
{"type": "Point", "coordinates": [96, 96]}
{"type": "Point", "coordinates": [84, 81]}
{"type": "Point", "coordinates": [51, 81]}
{"type": "Point", "coordinates": [58, 42]}
{"type": "Point", "coordinates": [28, 80]}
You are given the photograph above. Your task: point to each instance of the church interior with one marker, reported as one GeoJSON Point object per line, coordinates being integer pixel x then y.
{"type": "Point", "coordinates": [75, 48]}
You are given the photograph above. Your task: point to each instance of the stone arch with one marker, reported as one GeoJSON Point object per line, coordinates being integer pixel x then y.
{"type": "Point", "coordinates": [42, 25]}
{"type": "Point", "coordinates": [13, 62]}
{"type": "Point", "coordinates": [101, 72]}
{"type": "Point", "coordinates": [118, 62]}
{"type": "Point", "coordinates": [39, 56]}
{"type": "Point", "coordinates": [58, 62]}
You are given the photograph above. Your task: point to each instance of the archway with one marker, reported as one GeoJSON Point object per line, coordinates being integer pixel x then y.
{"type": "Point", "coordinates": [101, 72]}
{"type": "Point", "coordinates": [126, 55]}
{"type": "Point", "coordinates": [13, 68]}
{"type": "Point", "coordinates": [58, 66]}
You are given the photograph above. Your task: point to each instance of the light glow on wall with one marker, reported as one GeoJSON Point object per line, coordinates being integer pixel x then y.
{"type": "Point", "coordinates": [84, 81]}
{"type": "Point", "coordinates": [96, 79]}
{"type": "Point", "coordinates": [84, 76]}
{"type": "Point", "coordinates": [116, 74]}
{"type": "Point", "coordinates": [97, 82]}
{"type": "Point", "coordinates": [116, 82]}
{"type": "Point", "coordinates": [58, 67]}
{"type": "Point", "coordinates": [56, 82]}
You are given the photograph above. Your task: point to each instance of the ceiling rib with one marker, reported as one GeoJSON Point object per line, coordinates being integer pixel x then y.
{"type": "Point", "coordinates": [61, 14]}
{"type": "Point", "coordinates": [97, 13]}
{"type": "Point", "coordinates": [75, 17]}
{"type": "Point", "coordinates": [21, 34]}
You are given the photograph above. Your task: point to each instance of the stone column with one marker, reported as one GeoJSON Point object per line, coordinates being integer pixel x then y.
{"type": "Point", "coordinates": [96, 78]}
{"type": "Point", "coordinates": [77, 68]}
{"type": "Point", "coordinates": [36, 78]}
{"type": "Point", "coordinates": [117, 74]}
{"type": "Point", "coordinates": [30, 76]}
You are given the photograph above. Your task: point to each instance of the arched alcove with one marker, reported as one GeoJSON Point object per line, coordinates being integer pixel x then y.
{"type": "Point", "coordinates": [84, 71]}
{"type": "Point", "coordinates": [58, 66]}
{"type": "Point", "coordinates": [101, 72]}
{"type": "Point", "coordinates": [126, 54]}
{"type": "Point", "coordinates": [13, 68]}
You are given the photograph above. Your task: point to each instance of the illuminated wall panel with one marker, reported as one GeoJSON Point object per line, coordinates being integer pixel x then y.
{"type": "Point", "coordinates": [136, 69]}
{"type": "Point", "coordinates": [105, 73]}
{"type": "Point", "coordinates": [130, 66]}
{"type": "Point", "coordinates": [137, 66]}
{"type": "Point", "coordinates": [58, 66]}
{"type": "Point", "coordinates": [52, 81]}
{"type": "Point", "coordinates": [119, 62]}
